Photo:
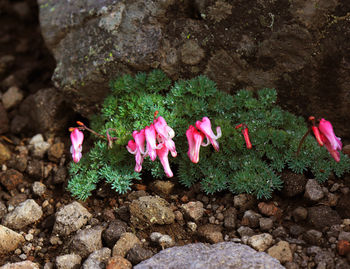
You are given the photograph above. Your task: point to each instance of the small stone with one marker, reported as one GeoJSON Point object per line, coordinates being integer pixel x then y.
{"type": "Point", "coordinates": [12, 97]}
{"type": "Point", "coordinates": [269, 209]}
{"type": "Point", "coordinates": [343, 247]}
{"type": "Point", "coordinates": [138, 254]}
{"type": "Point", "coordinates": [55, 152]}
{"type": "Point", "coordinates": [313, 190]}
{"type": "Point", "coordinates": [29, 237]}
{"type": "Point", "coordinates": [165, 241]}
{"type": "Point", "coordinates": [163, 187]}
{"type": "Point", "coordinates": [71, 218]}
{"type": "Point", "coordinates": [245, 231]}
{"type": "Point", "coordinates": [118, 262]}
{"type": "Point", "coordinates": [281, 251]}
{"type": "Point", "coordinates": [149, 210]}
{"type": "Point", "coordinates": [265, 224]}
{"type": "Point", "coordinates": [60, 175]}
{"type": "Point", "coordinates": [344, 236]}
{"type": "Point", "coordinates": [243, 201]}
{"type": "Point", "coordinates": [126, 242]}
{"type": "Point", "coordinates": [40, 147]}
{"type": "Point", "coordinates": [39, 188]}
{"type": "Point", "coordinates": [88, 240]}
{"type": "Point", "coordinates": [9, 240]}
{"type": "Point", "coordinates": [261, 242]}
{"type": "Point", "coordinates": [5, 153]}
{"type": "Point", "coordinates": [155, 236]}
{"type": "Point", "coordinates": [212, 233]}
{"type": "Point", "coordinates": [11, 178]}
{"type": "Point", "coordinates": [194, 210]}
{"type": "Point", "coordinates": [192, 226]}
{"type": "Point", "coordinates": [280, 232]}
{"type": "Point", "coordinates": [68, 261]}
{"type": "Point", "coordinates": [313, 237]}
{"type": "Point", "coordinates": [323, 216]}
{"type": "Point", "coordinates": [35, 168]}
{"type": "Point", "coordinates": [251, 219]}
{"type": "Point", "coordinates": [3, 209]}
{"type": "Point", "coordinates": [178, 216]}
{"type": "Point", "coordinates": [113, 232]}
{"type": "Point", "coordinates": [24, 214]}
{"type": "Point", "coordinates": [299, 214]}
{"type": "Point", "coordinates": [21, 265]}
{"type": "Point", "coordinates": [294, 184]}
{"type": "Point", "coordinates": [230, 218]}
{"type": "Point", "coordinates": [97, 259]}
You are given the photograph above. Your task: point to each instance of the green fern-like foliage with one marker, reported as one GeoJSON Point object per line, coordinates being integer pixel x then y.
{"type": "Point", "coordinates": [274, 133]}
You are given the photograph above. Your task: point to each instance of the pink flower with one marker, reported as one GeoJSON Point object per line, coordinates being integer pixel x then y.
{"type": "Point", "coordinates": [150, 133]}
{"type": "Point", "coordinates": [165, 135]}
{"type": "Point", "coordinates": [331, 142]}
{"type": "Point", "coordinates": [245, 133]}
{"type": "Point", "coordinates": [195, 140]}
{"type": "Point", "coordinates": [162, 153]}
{"type": "Point", "coordinates": [77, 138]}
{"type": "Point", "coordinates": [137, 148]}
{"type": "Point", "coordinates": [205, 127]}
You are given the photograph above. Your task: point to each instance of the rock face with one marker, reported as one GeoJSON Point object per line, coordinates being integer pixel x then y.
{"type": "Point", "coordinates": [222, 255]}
{"type": "Point", "coordinates": [290, 45]}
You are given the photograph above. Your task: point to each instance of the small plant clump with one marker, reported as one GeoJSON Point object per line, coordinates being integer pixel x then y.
{"type": "Point", "coordinates": [243, 163]}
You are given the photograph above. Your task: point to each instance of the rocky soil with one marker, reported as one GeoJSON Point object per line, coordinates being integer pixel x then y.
{"type": "Point", "coordinates": [159, 224]}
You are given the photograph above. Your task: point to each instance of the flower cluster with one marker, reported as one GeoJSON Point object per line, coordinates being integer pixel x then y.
{"type": "Point", "coordinates": [158, 137]}
{"type": "Point", "coordinates": [324, 135]}
{"type": "Point", "coordinates": [195, 138]}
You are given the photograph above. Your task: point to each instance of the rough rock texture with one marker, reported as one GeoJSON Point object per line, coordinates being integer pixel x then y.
{"type": "Point", "coordinates": [220, 256]}
{"type": "Point", "coordinates": [87, 241]}
{"type": "Point", "coordinates": [9, 240]}
{"type": "Point", "coordinates": [21, 265]}
{"type": "Point", "coordinates": [148, 210]}
{"type": "Point", "coordinates": [24, 214]}
{"type": "Point", "coordinates": [298, 47]}
{"type": "Point", "coordinates": [71, 218]}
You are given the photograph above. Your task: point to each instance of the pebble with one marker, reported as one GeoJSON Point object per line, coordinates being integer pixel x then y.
{"type": "Point", "coordinates": [165, 241]}
{"type": "Point", "coordinates": [113, 232]}
{"type": "Point", "coordinates": [29, 237]}
{"type": "Point", "coordinates": [12, 97]}
{"type": "Point", "coordinates": [313, 237]}
{"type": "Point", "coordinates": [243, 201]}
{"type": "Point", "coordinates": [230, 218]}
{"type": "Point", "coordinates": [11, 178]}
{"type": "Point", "coordinates": [260, 242]}
{"type": "Point", "coordinates": [323, 216]}
{"type": "Point", "coordinates": [21, 265]}
{"type": "Point", "coordinates": [212, 233]}
{"type": "Point", "coordinates": [138, 254]}
{"type": "Point", "coordinates": [251, 219]}
{"type": "Point", "coordinates": [39, 188]}
{"type": "Point", "coordinates": [24, 214]}
{"type": "Point", "coordinates": [281, 251]}
{"type": "Point", "coordinates": [5, 153]}
{"type": "Point", "coordinates": [118, 262]}
{"type": "Point", "coordinates": [97, 259]}
{"type": "Point", "coordinates": [192, 226]}
{"type": "Point", "coordinates": [35, 168]}
{"type": "Point", "coordinates": [87, 241]}
{"type": "Point", "coordinates": [245, 231]}
{"type": "Point", "coordinates": [68, 261]}
{"type": "Point", "coordinates": [313, 190]}
{"type": "Point", "coordinates": [126, 242]}
{"type": "Point", "coordinates": [55, 152]}
{"type": "Point", "coordinates": [155, 236]}
{"type": "Point", "coordinates": [344, 236]}
{"type": "Point", "coordinates": [9, 240]}
{"type": "Point", "coordinates": [70, 218]}
{"type": "Point", "coordinates": [265, 224]}
{"type": "Point", "coordinates": [193, 210]}
{"type": "Point", "coordinates": [148, 210]}
{"type": "Point", "coordinates": [299, 214]}
{"type": "Point", "coordinates": [179, 216]}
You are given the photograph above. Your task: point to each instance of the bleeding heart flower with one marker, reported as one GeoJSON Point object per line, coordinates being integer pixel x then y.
{"type": "Point", "coordinates": [150, 133]}
{"type": "Point", "coordinates": [205, 127]}
{"type": "Point", "coordinates": [331, 142]}
{"type": "Point", "coordinates": [162, 153]}
{"type": "Point", "coordinates": [195, 140]}
{"type": "Point", "coordinates": [165, 134]}
{"type": "Point", "coordinates": [77, 138]}
{"type": "Point", "coordinates": [137, 148]}
{"type": "Point", "coordinates": [245, 133]}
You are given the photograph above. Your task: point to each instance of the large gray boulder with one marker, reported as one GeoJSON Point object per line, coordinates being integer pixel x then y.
{"type": "Point", "coordinates": [218, 256]}
{"type": "Point", "coordinates": [292, 46]}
